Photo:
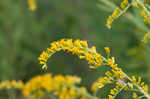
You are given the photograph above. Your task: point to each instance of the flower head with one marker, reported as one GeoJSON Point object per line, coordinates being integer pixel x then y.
{"type": "Point", "coordinates": [77, 47]}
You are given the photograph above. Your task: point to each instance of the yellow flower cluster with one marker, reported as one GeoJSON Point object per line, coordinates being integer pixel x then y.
{"type": "Point", "coordinates": [145, 16]}
{"type": "Point", "coordinates": [77, 47]}
{"type": "Point", "coordinates": [114, 16]}
{"type": "Point", "coordinates": [37, 83]}
{"type": "Point", "coordinates": [124, 82]}
{"type": "Point", "coordinates": [62, 86]}
{"type": "Point", "coordinates": [144, 9]}
{"type": "Point", "coordinates": [102, 81]}
{"type": "Point", "coordinates": [11, 84]}
{"type": "Point", "coordinates": [124, 3]}
{"type": "Point", "coordinates": [114, 91]}
{"type": "Point", "coordinates": [134, 95]}
{"type": "Point", "coordinates": [141, 84]}
{"type": "Point", "coordinates": [115, 69]}
{"type": "Point", "coordinates": [117, 12]}
{"type": "Point", "coordinates": [142, 5]}
{"type": "Point", "coordinates": [32, 5]}
{"type": "Point", "coordinates": [105, 80]}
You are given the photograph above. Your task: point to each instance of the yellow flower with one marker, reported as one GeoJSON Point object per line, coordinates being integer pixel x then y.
{"type": "Point", "coordinates": [134, 95]}
{"type": "Point", "coordinates": [114, 91]}
{"type": "Point", "coordinates": [146, 37]}
{"type": "Point", "coordinates": [124, 4]}
{"type": "Point", "coordinates": [146, 17]}
{"type": "Point", "coordinates": [115, 69]}
{"type": "Point", "coordinates": [94, 86]}
{"type": "Point", "coordinates": [110, 97]}
{"type": "Point", "coordinates": [59, 78]}
{"type": "Point", "coordinates": [107, 50]}
{"type": "Point", "coordinates": [11, 84]}
{"type": "Point", "coordinates": [117, 12]}
{"type": "Point", "coordinates": [111, 61]}
{"type": "Point", "coordinates": [105, 80]}
{"type": "Point", "coordinates": [114, 15]}
{"type": "Point", "coordinates": [63, 93]}
{"type": "Point", "coordinates": [72, 92]}
{"type": "Point", "coordinates": [139, 80]}
{"type": "Point", "coordinates": [43, 57]}
{"type": "Point", "coordinates": [141, 84]}
{"type": "Point", "coordinates": [108, 74]}
{"type": "Point", "coordinates": [32, 5]}
{"type": "Point", "coordinates": [133, 79]}
{"type": "Point", "coordinates": [83, 88]}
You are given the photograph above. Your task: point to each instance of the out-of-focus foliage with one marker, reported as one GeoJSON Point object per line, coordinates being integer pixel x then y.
{"type": "Point", "coordinates": [24, 34]}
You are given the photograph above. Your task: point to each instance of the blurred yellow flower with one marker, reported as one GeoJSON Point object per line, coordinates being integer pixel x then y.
{"type": "Point", "coordinates": [32, 5]}
{"type": "Point", "coordinates": [11, 84]}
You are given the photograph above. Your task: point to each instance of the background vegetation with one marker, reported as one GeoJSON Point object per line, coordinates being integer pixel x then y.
{"type": "Point", "coordinates": [24, 34]}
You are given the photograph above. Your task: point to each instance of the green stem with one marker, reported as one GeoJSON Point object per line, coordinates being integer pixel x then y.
{"type": "Point", "coordinates": [141, 97]}
{"type": "Point", "coordinates": [122, 11]}
{"type": "Point", "coordinates": [127, 15]}
{"type": "Point", "coordinates": [120, 90]}
{"type": "Point", "coordinates": [142, 5]}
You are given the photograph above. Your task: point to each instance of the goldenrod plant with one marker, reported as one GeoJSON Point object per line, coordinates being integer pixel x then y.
{"type": "Point", "coordinates": [118, 12]}
{"type": "Point", "coordinates": [49, 86]}
{"type": "Point", "coordinates": [65, 87]}
{"type": "Point", "coordinates": [96, 60]}
{"type": "Point", "coordinates": [142, 5]}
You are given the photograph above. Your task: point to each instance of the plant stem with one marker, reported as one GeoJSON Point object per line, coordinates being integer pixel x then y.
{"type": "Point", "coordinates": [120, 90]}
{"type": "Point", "coordinates": [142, 5]}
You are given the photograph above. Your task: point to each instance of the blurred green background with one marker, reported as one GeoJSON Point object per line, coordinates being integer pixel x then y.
{"type": "Point", "coordinates": [24, 34]}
